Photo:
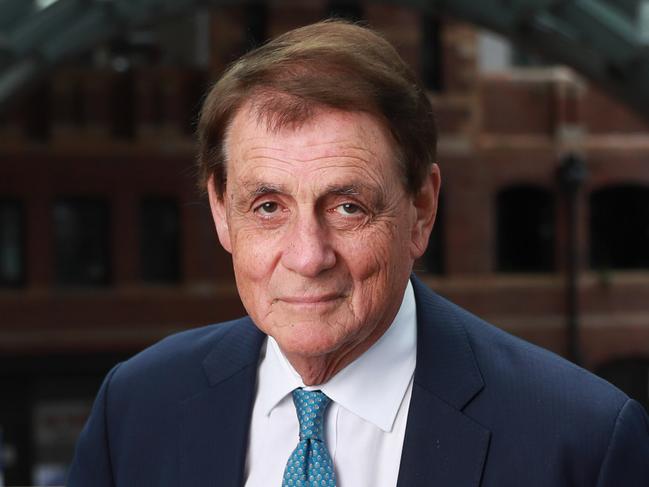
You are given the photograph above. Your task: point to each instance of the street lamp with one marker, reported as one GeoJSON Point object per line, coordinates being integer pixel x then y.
{"type": "Point", "coordinates": [571, 176]}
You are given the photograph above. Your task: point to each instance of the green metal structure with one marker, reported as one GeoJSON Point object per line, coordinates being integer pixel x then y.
{"type": "Point", "coordinates": [603, 40]}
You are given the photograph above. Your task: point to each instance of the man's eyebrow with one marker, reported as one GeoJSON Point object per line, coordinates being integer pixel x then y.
{"type": "Point", "coordinates": [255, 189]}
{"type": "Point", "coordinates": [377, 198]}
{"type": "Point", "coordinates": [344, 189]}
{"type": "Point", "coordinates": [260, 189]}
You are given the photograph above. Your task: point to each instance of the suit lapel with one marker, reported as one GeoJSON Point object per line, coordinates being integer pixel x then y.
{"type": "Point", "coordinates": [442, 446]}
{"type": "Point", "coordinates": [214, 423]}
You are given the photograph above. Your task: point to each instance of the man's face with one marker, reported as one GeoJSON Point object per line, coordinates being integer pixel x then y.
{"type": "Point", "coordinates": [321, 229]}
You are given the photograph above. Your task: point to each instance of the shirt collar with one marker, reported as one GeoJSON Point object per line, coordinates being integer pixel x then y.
{"type": "Point", "coordinates": [372, 387]}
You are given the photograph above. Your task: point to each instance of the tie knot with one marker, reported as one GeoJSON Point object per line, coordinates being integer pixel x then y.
{"type": "Point", "coordinates": [310, 406]}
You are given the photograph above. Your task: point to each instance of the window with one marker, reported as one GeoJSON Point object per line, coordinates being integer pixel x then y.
{"type": "Point", "coordinates": [82, 242]}
{"type": "Point", "coordinates": [349, 10]}
{"type": "Point", "coordinates": [431, 52]}
{"type": "Point", "coordinates": [525, 220]}
{"type": "Point", "coordinates": [46, 399]}
{"type": "Point", "coordinates": [494, 52]}
{"type": "Point", "coordinates": [631, 375]}
{"type": "Point", "coordinates": [433, 259]}
{"type": "Point", "coordinates": [122, 105]}
{"type": "Point", "coordinates": [619, 228]}
{"type": "Point", "coordinates": [160, 240]}
{"type": "Point", "coordinates": [12, 259]}
{"type": "Point", "coordinates": [257, 24]}
{"type": "Point", "coordinates": [526, 59]}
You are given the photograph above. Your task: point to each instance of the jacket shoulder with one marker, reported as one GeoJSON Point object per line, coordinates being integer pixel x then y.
{"type": "Point", "coordinates": [513, 363]}
{"type": "Point", "coordinates": [548, 418]}
{"type": "Point", "coordinates": [174, 364]}
{"type": "Point", "coordinates": [524, 368]}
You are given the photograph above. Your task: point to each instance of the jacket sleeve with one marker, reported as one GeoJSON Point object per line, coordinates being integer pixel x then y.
{"type": "Point", "coordinates": [92, 463]}
{"type": "Point", "coordinates": [627, 459]}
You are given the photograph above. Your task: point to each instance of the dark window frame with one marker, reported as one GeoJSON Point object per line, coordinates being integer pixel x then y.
{"type": "Point", "coordinates": [104, 249]}
{"type": "Point", "coordinates": [616, 235]}
{"type": "Point", "coordinates": [351, 10]}
{"type": "Point", "coordinates": [434, 259]}
{"type": "Point", "coordinates": [431, 53]}
{"type": "Point", "coordinates": [512, 235]}
{"type": "Point", "coordinates": [18, 205]}
{"type": "Point", "coordinates": [631, 375]}
{"type": "Point", "coordinates": [175, 274]}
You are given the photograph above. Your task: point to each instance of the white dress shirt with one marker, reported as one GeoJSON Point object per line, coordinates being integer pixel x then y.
{"type": "Point", "coordinates": [365, 423]}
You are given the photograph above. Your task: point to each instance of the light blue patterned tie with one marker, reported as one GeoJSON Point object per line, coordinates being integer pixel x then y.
{"type": "Point", "coordinates": [310, 464]}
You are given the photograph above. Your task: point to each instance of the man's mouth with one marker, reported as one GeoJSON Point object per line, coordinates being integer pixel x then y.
{"type": "Point", "coordinates": [315, 299]}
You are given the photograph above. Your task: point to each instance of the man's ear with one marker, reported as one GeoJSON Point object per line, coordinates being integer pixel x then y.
{"type": "Point", "coordinates": [219, 214]}
{"type": "Point", "coordinates": [425, 204]}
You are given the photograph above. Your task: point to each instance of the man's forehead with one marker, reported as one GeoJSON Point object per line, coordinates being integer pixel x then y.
{"type": "Point", "coordinates": [345, 151]}
{"type": "Point", "coordinates": [321, 125]}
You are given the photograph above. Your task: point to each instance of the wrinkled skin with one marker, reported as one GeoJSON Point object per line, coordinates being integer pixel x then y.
{"type": "Point", "coordinates": [322, 232]}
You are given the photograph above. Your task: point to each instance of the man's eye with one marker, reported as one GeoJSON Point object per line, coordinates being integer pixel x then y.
{"type": "Point", "coordinates": [267, 208]}
{"type": "Point", "coordinates": [348, 209]}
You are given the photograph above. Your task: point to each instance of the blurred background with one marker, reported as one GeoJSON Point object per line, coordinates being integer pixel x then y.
{"type": "Point", "coordinates": [106, 246]}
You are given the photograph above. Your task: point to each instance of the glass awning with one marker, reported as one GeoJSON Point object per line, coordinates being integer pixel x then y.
{"type": "Point", "coordinates": [605, 40]}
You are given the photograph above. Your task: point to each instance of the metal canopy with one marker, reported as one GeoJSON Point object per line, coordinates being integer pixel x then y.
{"type": "Point", "coordinates": [599, 39]}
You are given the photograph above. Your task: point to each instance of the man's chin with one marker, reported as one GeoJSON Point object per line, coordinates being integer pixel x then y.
{"type": "Point", "coordinates": [306, 341]}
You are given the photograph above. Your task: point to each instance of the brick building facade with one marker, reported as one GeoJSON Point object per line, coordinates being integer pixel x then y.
{"type": "Point", "coordinates": [106, 245]}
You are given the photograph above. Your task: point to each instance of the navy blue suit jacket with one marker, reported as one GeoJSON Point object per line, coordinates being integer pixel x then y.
{"type": "Point", "coordinates": [487, 410]}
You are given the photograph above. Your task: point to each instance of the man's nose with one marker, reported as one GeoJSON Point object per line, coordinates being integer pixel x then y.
{"type": "Point", "coordinates": [308, 250]}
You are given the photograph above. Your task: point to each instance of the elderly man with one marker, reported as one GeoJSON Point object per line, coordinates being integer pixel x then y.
{"type": "Point", "coordinates": [317, 151]}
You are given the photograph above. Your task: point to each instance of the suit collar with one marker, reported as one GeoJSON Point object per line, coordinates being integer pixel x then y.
{"type": "Point", "coordinates": [446, 364]}
{"type": "Point", "coordinates": [372, 387]}
{"type": "Point", "coordinates": [442, 446]}
{"type": "Point", "coordinates": [214, 423]}
{"type": "Point", "coordinates": [237, 349]}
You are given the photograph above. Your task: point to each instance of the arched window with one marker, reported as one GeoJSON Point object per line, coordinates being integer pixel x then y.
{"type": "Point", "coordinates": [525, 223]}
{"type": "Point", "coordinates": [631, 375]}
{"type": "Point", "coordinates": [619, 227]}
